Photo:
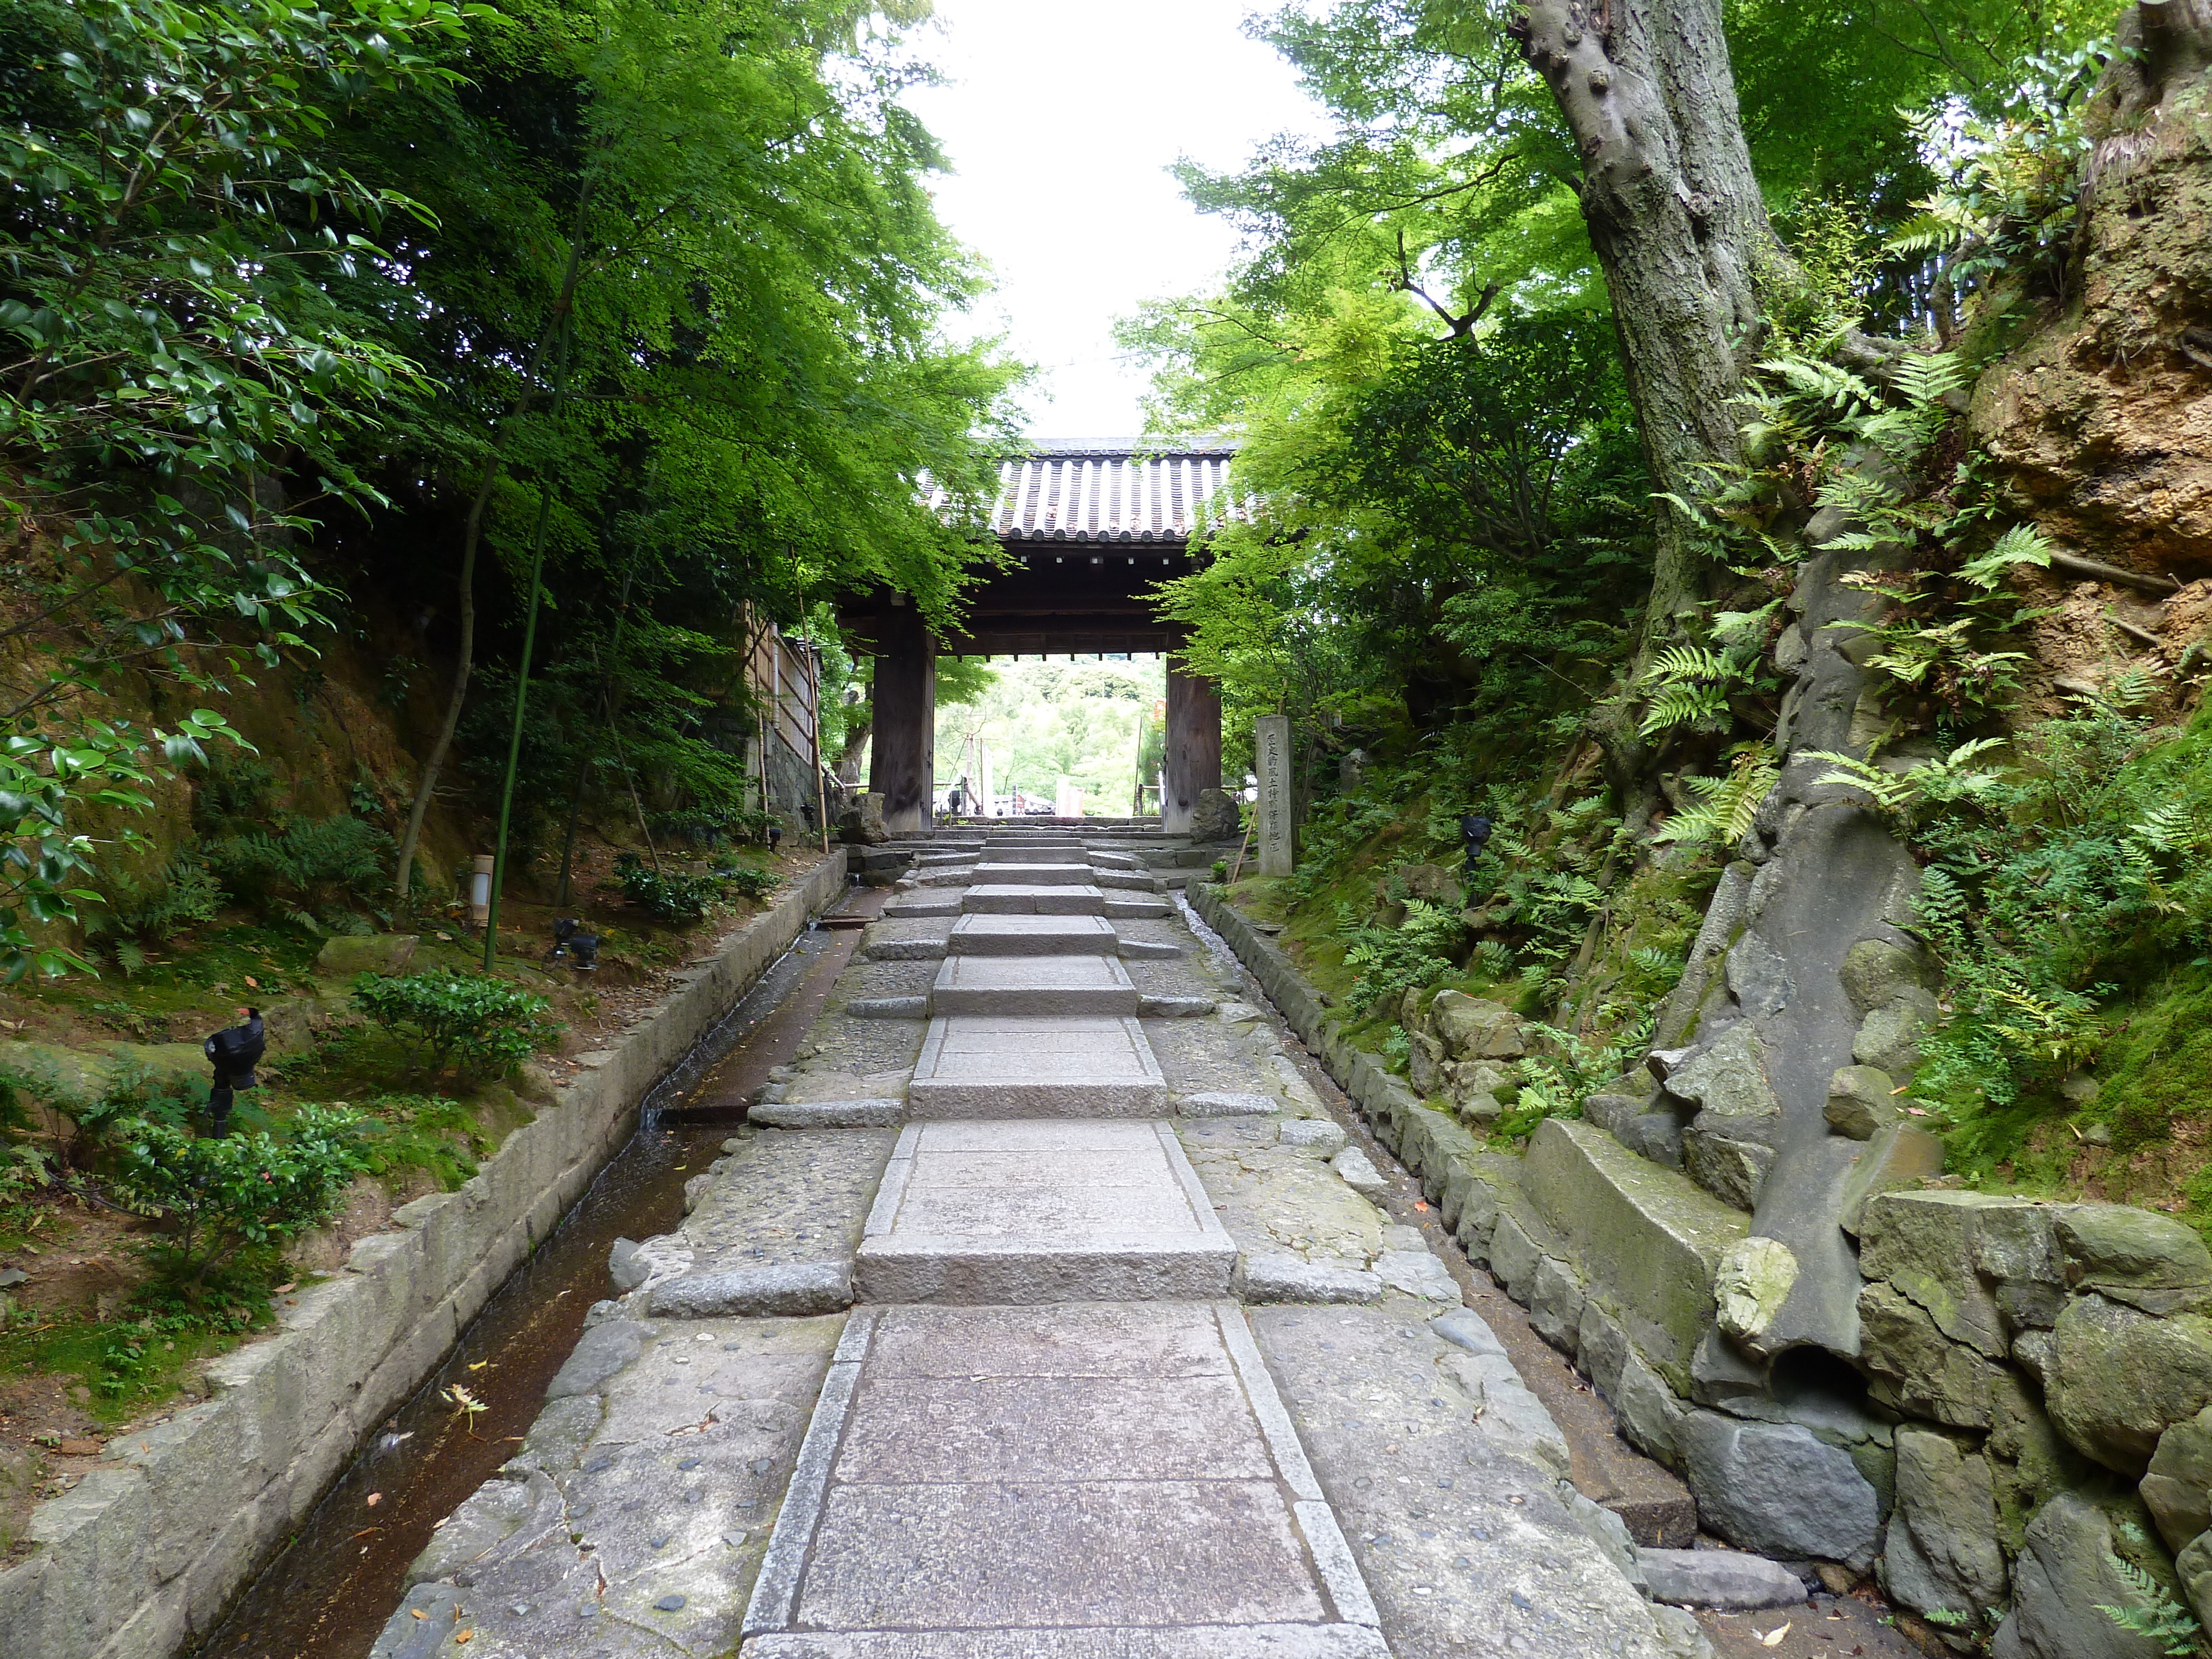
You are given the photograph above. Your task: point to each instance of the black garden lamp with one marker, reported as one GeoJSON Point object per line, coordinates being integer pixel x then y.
{"type": "Point", "coordinates": [571, 943]}
{"type": "Point", "coordinates": [233, 1052]}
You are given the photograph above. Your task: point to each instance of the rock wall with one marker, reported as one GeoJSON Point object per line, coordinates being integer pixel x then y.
{"type": "Point", "coordinates": [2029, 1404]}
{"type": "Point", "coordinates": [144, 1553]}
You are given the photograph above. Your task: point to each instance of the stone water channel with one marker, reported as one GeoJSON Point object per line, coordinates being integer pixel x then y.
{"type": "Point", "coordinates": [330, 1591]}
{"type": "Point", "coordinates": [1043, 1308]}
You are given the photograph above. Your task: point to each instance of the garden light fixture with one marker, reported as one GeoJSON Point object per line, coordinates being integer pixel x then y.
{"type": "Point", "coordinates": [233, 1052]}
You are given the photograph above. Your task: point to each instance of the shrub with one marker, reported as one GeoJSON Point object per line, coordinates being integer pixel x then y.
{"type": "Point", "coordinates": [482, 1025]}
{"type": "Point", "coordinates": [671, 894]}
{"type": "Point", "coordinates": [305, 873]}
{"type": "Point", "coordinates": [242, 1192]}
{"type": "Point", "coordinates": [749, 880]}
{"type": "Point", "coordinates": [1391, 961]}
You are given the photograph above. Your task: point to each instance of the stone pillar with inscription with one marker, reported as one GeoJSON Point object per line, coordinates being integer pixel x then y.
{"type": "Point", "coordinates": [1271, 755]}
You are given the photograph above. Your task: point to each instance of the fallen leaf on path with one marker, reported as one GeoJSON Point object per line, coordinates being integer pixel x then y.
{"type": "Point", "coordinates": [1773, 1638]}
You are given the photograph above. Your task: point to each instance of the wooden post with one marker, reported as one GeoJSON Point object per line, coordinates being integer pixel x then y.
{"type": "Point", "coordinates": [902, 761]}
{"type": "Point", "coordinates": [1191, 758]}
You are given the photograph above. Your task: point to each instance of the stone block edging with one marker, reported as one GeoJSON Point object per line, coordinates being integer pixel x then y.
{"type": "Point", "coordinates": [144, 1554]}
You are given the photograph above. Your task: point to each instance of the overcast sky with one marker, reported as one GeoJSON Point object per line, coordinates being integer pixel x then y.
{"type": "Point", "coordinates": [1061, 118]}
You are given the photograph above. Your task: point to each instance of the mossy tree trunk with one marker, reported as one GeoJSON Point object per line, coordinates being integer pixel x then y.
{"type": "Point", "coordinates": [1681, 232]}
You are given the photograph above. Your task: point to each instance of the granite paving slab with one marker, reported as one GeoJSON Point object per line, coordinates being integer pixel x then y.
{"type": "Point", "coordinates": [1034, 873]}
{"type": "Point", "coordinates": [1050, 1211]}
{"type": "Point", "coordinates": [1029, 898]}
{"type": "Point", "coordinates": [1085, 1479]}
{"type": "Point", "coordinates": [1009, 1066]}
{"type": "Point", "coordinates": [987, 935]}
{"type": "Point", "coordinates": [1033, 985]}
{"type": "Point", "coordinates": [632, 1522]}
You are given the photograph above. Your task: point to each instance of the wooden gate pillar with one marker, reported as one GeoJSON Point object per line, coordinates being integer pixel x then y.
{"type": "Point", "coordinates": [1192, 757]}
{"type": "Point", "coordinates": [902, 761]}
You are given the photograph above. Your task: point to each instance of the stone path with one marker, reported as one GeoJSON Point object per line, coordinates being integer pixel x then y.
{"type": "Point", "coordinates": [1053, 1421]}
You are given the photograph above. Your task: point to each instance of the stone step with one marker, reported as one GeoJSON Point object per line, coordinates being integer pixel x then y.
{"type": "Point", "coordinates": [1095, 984]}
{"type": "Point", "coordinates": [987, 935]}
{"type": "Point", "coordinates": [1121, 909]}
{"type": "Point", "coordinates": [1065, 853]}
{"type": "Point", "coordinates": [975, 1066]}
{"type": "Point", "coordinates": [1041, 1211]}
{"type": "Point", "coordinates": [1034, 873]}
{"type": "Point", "coordinates": [1007, 898]}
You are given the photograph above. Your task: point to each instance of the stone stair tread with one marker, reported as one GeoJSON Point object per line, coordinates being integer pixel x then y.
{"type": "Point", "coordinates": [1096, 984]}
{"type": "Point", "coordinates": [1029, 898]}
{"type": "Point", "coordinates": [985, 1066]}
{"type": "Point", "coordinates": [985, 934]}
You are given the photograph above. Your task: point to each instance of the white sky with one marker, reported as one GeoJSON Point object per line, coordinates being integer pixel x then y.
{"type": "Point", "coordinates": [1061, 118]}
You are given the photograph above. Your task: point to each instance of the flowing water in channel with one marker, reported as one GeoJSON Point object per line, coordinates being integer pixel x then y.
{"type": "Point", "coordinates": [329, 1590]}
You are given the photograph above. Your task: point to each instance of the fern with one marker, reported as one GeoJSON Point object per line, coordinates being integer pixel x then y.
{"type": "Point", "coordinates": [1824, 384]}
{"type": "Point", "coordinates": [1895, 794]}
{"type": "Point", "coordinates": [2019, 545]}
{"type": "Point", "coordinates": [1925, 381]}
{"type": "Point", "coordinates": [2157, 1616]}
{"type": "Point", "coordinates": [1728, 805]}
{"type": "Point", "coordinates": [2170, 828]}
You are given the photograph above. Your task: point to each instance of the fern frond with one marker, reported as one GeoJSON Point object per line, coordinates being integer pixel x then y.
{"type": "Point", "coordinates": [1924, 381]}
{"type": "Point", "coordinates": [2019, 545]}
{"type": "Point", "coordinates": [1689, 662]}
{"type": "Point", "coordinates": [1683, 704]}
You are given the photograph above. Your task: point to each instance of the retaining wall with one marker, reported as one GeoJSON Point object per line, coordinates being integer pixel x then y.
{"type": "Point", "coordinates": [143, 1554]}
{"type": "Point", "coordinates": [2030, 1397]}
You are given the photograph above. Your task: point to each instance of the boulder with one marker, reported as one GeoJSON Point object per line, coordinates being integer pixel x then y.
{"type": "Point", "coordinates": [1889, 1038]}
{"type": "Point", "coordinates": [2193, 1567]}
{"type": "Point", "coordinates": [1649, 1240]}
{"type": "Point", "coordinates": [1731, 1170]}
{"type": "Point", "coordinates": [2178, 1490]}
{"type": "Point", "coordinates": [1876, 972]}
{"type": "Point", "coordinates": [2065, 1577]}
{"type": "Point", "coordinates": [1473, 1028]}
{"type": "Point", "coordinates": [1431, 884]}
{"type": "Point", "coordinates": [862, 824]}
{"type": "Point", "coordinates": [1773, 1488]}
{"type": "Point", "coordinates": [1654, 1135]}
{"type": "Point", "coordinates": [1859, 1102]}
{"type": "Point", "coordinates": [2116, 1379]}
{"type": "Point", "coordinates": [1729, 1079]}
{"type": "Point", "coordinates": [378, 953]}
{"type": "Point", "coordinates": [1480, 1077]}
{"type": "Point", "coordinates": [1753, 1283]}
{"type": "Point", "coordinates": [1913, 1367]}
{"type": "Point", "coordinates": [2016, 1247]}
{"type": "Point", "coordinates": [2123, 1252]}
{"type": "Point", "coordinates": [1923, 1242]}
{"type": "Point", "coordinates": [1941, 1552]}
{"type": "Point", "coordinates": [1217, 817]}
{"type": "Point", "coordinates": [1719, 1578]}
{"type": "Point", "coordinates": [1424, 1066]}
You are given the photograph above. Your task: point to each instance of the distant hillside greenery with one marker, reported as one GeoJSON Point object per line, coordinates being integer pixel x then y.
{"type": "Point", "coordinates": [1079, 720]}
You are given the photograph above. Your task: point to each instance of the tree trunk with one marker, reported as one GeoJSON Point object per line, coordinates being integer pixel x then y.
{"type": "Point", "coordinates": [472, 538]}
{"type": "Point", "coordinates": [1680, 229]}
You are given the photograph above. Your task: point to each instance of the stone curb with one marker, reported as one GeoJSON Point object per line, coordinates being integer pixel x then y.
{"type": "Point", "coordinates": [139, 1560]}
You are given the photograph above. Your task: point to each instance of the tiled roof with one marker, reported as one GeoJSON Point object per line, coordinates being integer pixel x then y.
{"type": "Point", "coordinates": [1107, 490]}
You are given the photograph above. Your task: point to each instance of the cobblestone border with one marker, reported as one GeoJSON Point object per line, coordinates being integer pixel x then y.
{"type": "Point", "coordinates": [144, 1554]}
